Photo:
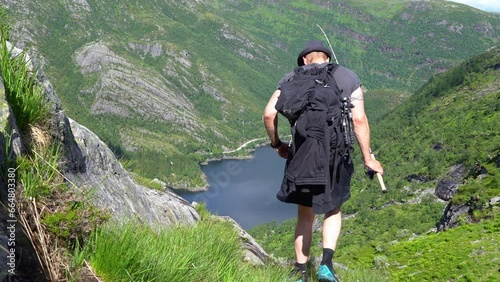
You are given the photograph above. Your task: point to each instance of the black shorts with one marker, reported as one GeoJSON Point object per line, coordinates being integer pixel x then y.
{"type": "Point", "coordinates": [315, 197]}
{"type": "Point", "coordinates": [320, 197]}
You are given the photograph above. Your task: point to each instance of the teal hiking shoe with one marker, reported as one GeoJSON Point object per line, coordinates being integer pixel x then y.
{"type": "Point", "coordinates": [325, 275]}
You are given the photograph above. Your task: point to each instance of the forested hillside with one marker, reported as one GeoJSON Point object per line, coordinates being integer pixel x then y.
{"type": "Point", "coordinates": [168, 84]}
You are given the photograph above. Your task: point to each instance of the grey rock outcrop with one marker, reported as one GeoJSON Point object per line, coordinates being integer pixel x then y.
{"type": "Point", "coordinates": [155, 98]}
{"type": "Point", "coordinates": [445, 190]}
{"type": "Point", "coordinates": [448, 186]}
{"type": "Point", "coordinates": [252, 251]}
{"type": "Point", "coordinates": [456, 214]}
{"type": "Point", "coordinates": [452, 214]}
{"type": "Point", "coordinates": [116, 191]}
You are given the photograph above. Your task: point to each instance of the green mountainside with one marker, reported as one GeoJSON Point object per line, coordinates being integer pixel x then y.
{"type": "Point", "coordinates": [176, 108]}
{"type": "Point", "coordinates": [169, 84]}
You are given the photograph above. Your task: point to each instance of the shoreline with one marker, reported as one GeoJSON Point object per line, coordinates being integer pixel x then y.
{"type": "Point", "coordinates": [263, 143]}
{"type": "Point", "coordinates": [245, 157]}
{"type": "Point", "coordinates": [244, 145]}
{"type": "Point", "coordinates": [223, 158]}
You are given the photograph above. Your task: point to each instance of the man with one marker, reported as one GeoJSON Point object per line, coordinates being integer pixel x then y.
{"type": "Point", "coordinates": [316, 55]}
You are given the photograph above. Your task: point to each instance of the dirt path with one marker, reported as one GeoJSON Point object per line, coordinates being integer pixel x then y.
{"type": "Point", "coordinates": [244, 145]}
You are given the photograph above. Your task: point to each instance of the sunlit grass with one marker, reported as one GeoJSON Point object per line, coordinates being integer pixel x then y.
{"type": "Point", "coordinates": [208, 251]}
{"type": "Point", "coordinates": [466, 253]}
{"type": "Point", "coordinates": [22, 93]}
{"type": "Point", "coordinates": [38, 172]}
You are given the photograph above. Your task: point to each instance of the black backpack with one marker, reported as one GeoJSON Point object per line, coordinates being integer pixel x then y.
{"type": "Point", "coordinates": [315, 89]}
{"type": "Point", "coordinates": [320, 118]}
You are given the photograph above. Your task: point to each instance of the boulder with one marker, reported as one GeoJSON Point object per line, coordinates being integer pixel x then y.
{"type": "Point", "coordinates": [448, 186]}
{"type": "Point", "coordinates": [453, 215]}
{"type": "Point", "coordinates": [252, 251]}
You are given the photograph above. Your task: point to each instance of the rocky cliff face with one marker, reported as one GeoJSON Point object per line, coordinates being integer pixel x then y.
{"type": "Point", "coordinates": [155, 98]}
{"type": "Point", "coordinates": [115, 190]}
{"type": "Point", "coordinates": [17, 254]}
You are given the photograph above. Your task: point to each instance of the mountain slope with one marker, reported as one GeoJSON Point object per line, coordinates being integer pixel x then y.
{"type": "Point", "coordinates": [453, 118]}
{"type": "Point", "coordinates": [168, 84]}
{"type": "Point", "coordinates": [391, 44]}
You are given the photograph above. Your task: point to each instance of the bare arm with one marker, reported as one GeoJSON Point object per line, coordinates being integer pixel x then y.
{"type": "Point", "coordinates": [271, 118]}
{"type": "Point", "coordinates": [362, 130]}
{"type": "Point", "coordinates": [271, 124]}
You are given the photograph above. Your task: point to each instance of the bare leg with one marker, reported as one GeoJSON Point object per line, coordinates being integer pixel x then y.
{"type": "Point", "coordinates": [331, 228]}
{"type": "Point", "coordinates": [303, 233]}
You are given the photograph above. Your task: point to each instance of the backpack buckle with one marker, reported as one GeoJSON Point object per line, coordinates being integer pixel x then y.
{"type": "Point", "coordinates": [322, 82]}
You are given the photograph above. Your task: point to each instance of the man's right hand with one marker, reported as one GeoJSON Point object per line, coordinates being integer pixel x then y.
{"type": "Point", "coordinates": [282, 150]}
{"type": "Point", "coordinates": [375, 166]}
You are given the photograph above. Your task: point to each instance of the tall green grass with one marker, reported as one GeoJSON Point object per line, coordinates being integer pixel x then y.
{"type": "Point", "coordinates": [38, 172]}
{"type": "Point", "coordinates": [22, 93]}
{"type": "Point", "coordinates": [208, 251]}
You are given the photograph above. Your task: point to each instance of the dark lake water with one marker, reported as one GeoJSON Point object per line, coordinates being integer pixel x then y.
{"type": "Point", "coordinates": [245, 189]}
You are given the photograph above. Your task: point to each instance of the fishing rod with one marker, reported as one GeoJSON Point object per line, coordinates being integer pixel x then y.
{"type": "Point", "coordinates": [326, 37]}
{"type": "Point", "coordinates": [379, 176]}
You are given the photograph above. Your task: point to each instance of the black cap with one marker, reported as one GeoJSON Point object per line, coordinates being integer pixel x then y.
{"type": "Point", "coordinates": [311, 46]}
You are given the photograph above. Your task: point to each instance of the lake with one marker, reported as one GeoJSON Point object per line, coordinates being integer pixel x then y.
{"type": "Point", "coordinates": [246, 189]}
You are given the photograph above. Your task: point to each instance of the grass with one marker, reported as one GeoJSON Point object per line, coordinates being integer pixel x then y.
{"type": "Point", "coordinates": [22, 93]}
{"type": "Point", "coordinates": [208, 251]}
{"type": "Point", "coordinates": [37, 173]}
{"type": "Point", "coordinates": [465, 253]}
